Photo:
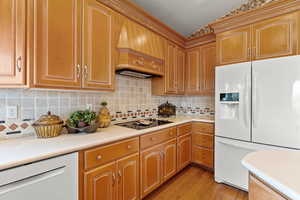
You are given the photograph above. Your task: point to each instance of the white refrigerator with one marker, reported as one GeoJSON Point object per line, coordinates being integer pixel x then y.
{"type": "Point", "coordinates": [257, 107]}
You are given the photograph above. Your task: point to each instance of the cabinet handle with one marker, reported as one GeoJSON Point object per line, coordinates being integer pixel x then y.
{"type": "Point", "coordinates": [249, 53]}
{"type": "Point", "coordinates": [114, 178]}
{"type": "Point", "coordinates": [85, 72]}
{"type": "Point", "coordinates": [78, 70]}
{"type": "Point", "coordinates": [99, 157]}
{"type": "Point", "coordinates": [18, 64]}
{"type": "Point", "coordinates": [152, 138]}
{"type": "Point", "coordinates": [120, 175]}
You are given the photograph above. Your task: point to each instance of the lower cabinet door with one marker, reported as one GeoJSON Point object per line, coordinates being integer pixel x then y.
{"type": "Point", "coordinates": [184, 151]}
{"type": "Point", "coordinates": [203, 156]}
{"type": "Point", "coordinates": [169, 161]}
{"type": "Point", "coordinates": [128, 178]}
{"type": "Point", "coordinates": [100, 183]}
{"type": "Point", "coordinates": [151, 169]}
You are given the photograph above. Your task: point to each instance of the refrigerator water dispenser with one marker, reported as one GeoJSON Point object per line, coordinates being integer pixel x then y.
{"type": "Point", "coordinates": [229, 108]}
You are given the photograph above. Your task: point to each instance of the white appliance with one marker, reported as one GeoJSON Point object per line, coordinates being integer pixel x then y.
{"type": "Point", "coordinates": [55, 178]}
{"type": "Point", "coordinates": [257, 107]}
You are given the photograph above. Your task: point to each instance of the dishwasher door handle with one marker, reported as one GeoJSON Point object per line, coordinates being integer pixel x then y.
{"type": "Point", "coordinates": [31, 180]}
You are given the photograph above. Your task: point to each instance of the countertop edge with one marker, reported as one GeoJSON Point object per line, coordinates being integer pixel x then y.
{"type": "Point", "coordinates": [270, 181]}
{"type": "Point", "coordinates": [60, 152]}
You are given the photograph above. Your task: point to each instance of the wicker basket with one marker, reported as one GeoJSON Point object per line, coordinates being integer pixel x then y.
{"type": "Point", "coordinates": [48, 131]}
{"type": "Point", "coordinates": [48, 126]}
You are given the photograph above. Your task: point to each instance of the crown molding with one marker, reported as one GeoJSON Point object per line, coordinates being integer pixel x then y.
{"type": "Point", "coordinates": [200, 40]}
{"type": "Point", "coordinates": [269, 10]}
{"type": "Point", "coordinates": [139, 15]}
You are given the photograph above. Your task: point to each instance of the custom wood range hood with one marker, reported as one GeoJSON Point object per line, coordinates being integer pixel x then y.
{"type": "Point", "coordinates": [141, 52]}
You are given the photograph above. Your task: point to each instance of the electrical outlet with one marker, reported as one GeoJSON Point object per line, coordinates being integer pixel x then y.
{"type": "Point", "coordinates": [89, 106]}
{"type": "Point", "coordinates": [12, 112]}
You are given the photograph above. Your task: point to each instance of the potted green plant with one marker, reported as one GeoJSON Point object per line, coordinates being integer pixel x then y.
{"type": "Point", "coordinates": [82, 121]}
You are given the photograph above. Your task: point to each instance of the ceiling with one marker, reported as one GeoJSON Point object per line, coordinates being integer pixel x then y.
{"type": "Point", "coordinates": [186, 16]}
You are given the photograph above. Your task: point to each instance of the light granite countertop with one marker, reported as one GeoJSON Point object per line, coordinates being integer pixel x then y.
{"type": "Point", "coordinates": [277, 168]}
{"type": "Point", "coordinates": [16, 152]}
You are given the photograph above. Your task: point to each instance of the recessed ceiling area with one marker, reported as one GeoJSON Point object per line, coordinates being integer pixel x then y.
{"type": "Point", "coordinates": [186, 16]}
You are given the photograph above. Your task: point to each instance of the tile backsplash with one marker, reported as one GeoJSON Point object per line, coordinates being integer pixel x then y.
{"type": "Point", "coordinates": [131, 99]}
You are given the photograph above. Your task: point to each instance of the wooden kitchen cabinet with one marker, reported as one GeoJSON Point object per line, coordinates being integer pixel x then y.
{"type": "Point", "coordinates": [173, 83]}
{"type": "Point", "coordinates": [128, 178]}
{"type": "Point", "coordinates": [200, 71]}
{"type": "Point", "coordinates": [56, 40]}
{"type": "Point", "coordinates": [193, 71]}
{"type": "Point", "coordinates": [151, 169]}
{"type": "Point", "coordinates": [207, 69]}
{"type": "Point", "coordinates": [180, 71]}
{"type": "Point", "coordinates": [184, 151]}
{"type": "Point", "coordinates": [260, 191]}
{"type": "Point", "coordinates": [171, 65]}
{"type": "Point", "coordinates": [203, 144]}
{"type": "Point", "coordinates": [234, 46]}
{"type": "Point", "coordinates": [276, 37]}
{"type": "Point", "coordinates": [98, 65]}
{"type": "Point", "coordinates": [169, 159]}
{"type": "Point", "coordinates": [110, 172]}
{"type": "Point", "coordinates": [71, 44]}
{"type": "Point", "coordinates": [12, 46]}
{"type": "Point", "coordinates": [100, 183]}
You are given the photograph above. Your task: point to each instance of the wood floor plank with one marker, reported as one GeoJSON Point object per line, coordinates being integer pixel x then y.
{"type": "Point", "coordinates": [196, 184]}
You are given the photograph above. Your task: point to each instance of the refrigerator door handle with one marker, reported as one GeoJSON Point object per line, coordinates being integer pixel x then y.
{"type": "Point", "coordinates": [254, 98]}
{"type": "Point", "coordinates": [246, 104]}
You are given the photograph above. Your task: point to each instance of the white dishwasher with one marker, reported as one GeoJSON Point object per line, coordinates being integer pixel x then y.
{"type": "Point", "coordinates": [52, 179]}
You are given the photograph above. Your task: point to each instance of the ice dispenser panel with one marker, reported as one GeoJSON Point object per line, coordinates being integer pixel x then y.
{"type": "Point", "coordinates": [230, 97]}
{"type": "Point", "coordinates": [229, 105]}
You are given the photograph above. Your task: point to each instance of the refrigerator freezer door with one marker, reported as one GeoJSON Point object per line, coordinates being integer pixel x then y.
{"type": "Point", "coordinates": [276, 102]}
{"type": "Point", "coordinates": [233, 101]}
{"type": "Point", "coordinates": [228, 161]}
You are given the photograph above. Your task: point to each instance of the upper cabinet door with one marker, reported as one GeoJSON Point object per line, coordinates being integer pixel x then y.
{"type": "Point", "coordinates": [234, 46]}
{"type": "Point", "coordinates": [12, 45]}
{"type": "Point", "coordinates": [98, 70]}
{"type": "Point", "coordinates": [207, 70]}
{"type": "Point", "coordinates": [171, 79]}
{"type": "Point", "coordinates": [276, 37]}
{"type": "Point", "coordinates": [193, 71]}
{"type": "Point", "coordinates": [180, 71]}
{"type": "Point", "coordinates": [56, 43]}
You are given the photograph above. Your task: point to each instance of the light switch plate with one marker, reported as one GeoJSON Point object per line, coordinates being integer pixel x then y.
{"type": "Point", "coordinates": [12, 112]}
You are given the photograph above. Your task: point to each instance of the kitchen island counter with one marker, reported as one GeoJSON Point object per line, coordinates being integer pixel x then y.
{"type": "Point", "coordinates": [277, 168]}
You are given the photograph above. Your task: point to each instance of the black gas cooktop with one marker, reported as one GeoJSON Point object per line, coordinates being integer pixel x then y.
{"type": "Point", "coordinates": [144, 124]}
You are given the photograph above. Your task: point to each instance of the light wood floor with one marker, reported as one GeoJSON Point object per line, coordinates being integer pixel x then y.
{"type": "Point", "coordinates": [196, 184]}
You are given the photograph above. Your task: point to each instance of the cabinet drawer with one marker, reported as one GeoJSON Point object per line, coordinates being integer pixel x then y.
{"type": "Point", "coordinates": [203, 140]}
{"type": "Point", "coordinates": [203, 127]}
{"type": "Point", "coordinates": [203, 156]}
{"type": "Point", "coordinates": [98, 156]}
{"type": "Point", "coordinates": [184, 129]}
{"type": "Point", "coordinates": [157, 137]}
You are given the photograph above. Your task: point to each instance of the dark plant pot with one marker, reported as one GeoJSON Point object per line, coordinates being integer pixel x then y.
{"type": "Point", "coordinates": [88, 129]}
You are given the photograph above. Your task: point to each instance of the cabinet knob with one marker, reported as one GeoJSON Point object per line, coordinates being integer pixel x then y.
{"type": "Point", "coordinates": [152, 138]}
{"type": "Point", "coordinates": [99, 157]}
{"type": "Point", "coordinates": [129, 147]}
